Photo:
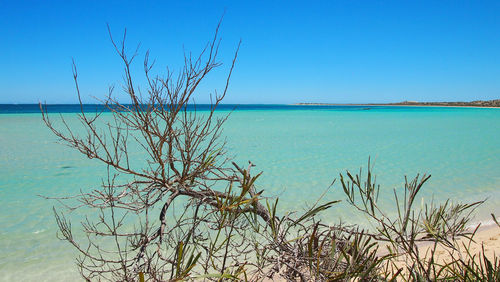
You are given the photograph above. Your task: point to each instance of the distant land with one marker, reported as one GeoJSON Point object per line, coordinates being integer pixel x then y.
{"type": "Point", "coordinates": [478, 103]}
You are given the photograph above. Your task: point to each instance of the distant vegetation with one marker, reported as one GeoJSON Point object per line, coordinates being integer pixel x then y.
{"type": "Point", "coordinates": [478, 103]}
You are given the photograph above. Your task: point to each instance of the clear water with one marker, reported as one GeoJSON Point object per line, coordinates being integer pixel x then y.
{"type": "Point", "coordinates": [300, 149]}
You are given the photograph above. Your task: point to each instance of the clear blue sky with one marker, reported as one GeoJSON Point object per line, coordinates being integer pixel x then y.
{"type": "Point", "coordinates": [307, 51]}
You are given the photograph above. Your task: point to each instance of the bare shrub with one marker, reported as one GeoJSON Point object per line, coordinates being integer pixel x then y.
{"type": "Point", "coordinates": [223, 228]}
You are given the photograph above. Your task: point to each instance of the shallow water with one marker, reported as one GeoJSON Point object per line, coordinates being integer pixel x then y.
{"type": "Point", "coordinates": [300, 149]}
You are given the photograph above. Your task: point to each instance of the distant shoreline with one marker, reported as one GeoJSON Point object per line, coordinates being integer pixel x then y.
{"type": "Point", "coordinates": [473, 104]}
{"type": "Point", "coordinates": [393, 105]}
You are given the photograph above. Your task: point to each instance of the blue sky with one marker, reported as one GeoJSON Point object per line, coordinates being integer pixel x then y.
{"type": "Point", "coordinates": [307, 51]}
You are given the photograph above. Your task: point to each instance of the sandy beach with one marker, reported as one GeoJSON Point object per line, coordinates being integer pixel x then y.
{"type": "Point", "coordinates": [487, 238]}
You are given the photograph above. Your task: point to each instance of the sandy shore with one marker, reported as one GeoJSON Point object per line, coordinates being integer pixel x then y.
{"type": "Point", "coordinates": [487, 237]}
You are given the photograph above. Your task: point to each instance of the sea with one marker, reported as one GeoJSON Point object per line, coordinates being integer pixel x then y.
{"type": "Point", "coordinates": [301, 150]}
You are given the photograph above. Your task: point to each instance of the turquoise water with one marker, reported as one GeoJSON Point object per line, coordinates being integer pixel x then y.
{"type": "Point", "coordinates": [300, 149]}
